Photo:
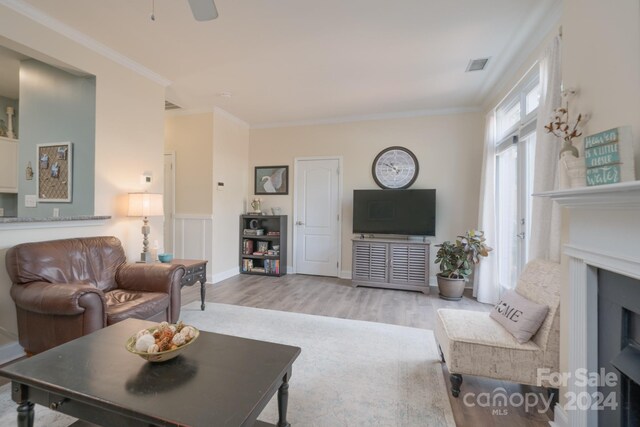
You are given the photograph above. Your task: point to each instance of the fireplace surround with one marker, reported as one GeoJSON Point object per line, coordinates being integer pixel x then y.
{"type": "Point", "coordinates": [618, 347]}
{"type": "Point", "coordinates": [603, 225]}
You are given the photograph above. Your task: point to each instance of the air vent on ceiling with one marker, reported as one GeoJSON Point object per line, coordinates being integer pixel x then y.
{"type": "Point", "coordinates": [170, 106]}
{"type": "Point", "coordinates": [477, 64]}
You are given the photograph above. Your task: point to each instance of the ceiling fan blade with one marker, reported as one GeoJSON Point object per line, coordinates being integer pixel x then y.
{"type": "Point", "coordinates": [203, 10]}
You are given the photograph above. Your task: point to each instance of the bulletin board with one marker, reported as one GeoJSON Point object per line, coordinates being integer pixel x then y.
{"type": "Point", "coordinates": [54, 172]}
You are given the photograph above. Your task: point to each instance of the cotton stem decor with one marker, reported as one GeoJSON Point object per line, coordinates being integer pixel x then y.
{"type": "Point", "coordinates": [562, 127]}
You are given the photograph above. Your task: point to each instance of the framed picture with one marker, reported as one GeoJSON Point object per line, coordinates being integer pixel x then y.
{"type": "Point", "coordinates": [272, 180]}
{"type": "Point", "coordinates": [54, 172]}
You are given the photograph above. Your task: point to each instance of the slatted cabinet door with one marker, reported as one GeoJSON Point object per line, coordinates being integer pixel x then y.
{"type": "Point", "coordinates": [370, 261]}
{"type": "Point", "coordinates": [391, 264]}
{"type": "Point", "coordinates": [409, 264]}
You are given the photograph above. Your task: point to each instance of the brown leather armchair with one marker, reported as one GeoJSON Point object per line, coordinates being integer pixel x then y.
{"type": "Point", "coordinates": [64, 289]}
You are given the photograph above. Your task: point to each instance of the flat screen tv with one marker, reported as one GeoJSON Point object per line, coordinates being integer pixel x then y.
{"type": "Point", "coordinates": [407, 212]}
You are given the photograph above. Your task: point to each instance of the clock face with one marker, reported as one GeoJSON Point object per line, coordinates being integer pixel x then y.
{"type": "Point", "coordinates": [395, 167]}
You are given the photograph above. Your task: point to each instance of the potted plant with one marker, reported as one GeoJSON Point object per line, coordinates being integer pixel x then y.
{"type": "Point", "coordinates": [456, 262]}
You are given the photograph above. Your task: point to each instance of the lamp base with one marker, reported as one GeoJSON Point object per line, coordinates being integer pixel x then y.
{"type": "Point", "coordinates": [146, 257]}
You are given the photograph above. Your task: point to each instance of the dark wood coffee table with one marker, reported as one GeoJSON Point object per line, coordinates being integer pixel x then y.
{"type": "Point", "coordinates": [219, 380]}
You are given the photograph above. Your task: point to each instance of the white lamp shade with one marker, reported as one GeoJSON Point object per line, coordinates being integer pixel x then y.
{"type": "Point", "coordinates": [145, 204]}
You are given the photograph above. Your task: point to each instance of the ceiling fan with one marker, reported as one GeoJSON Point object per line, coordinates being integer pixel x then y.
{"type": "Point", "coordinates": [203, 10]}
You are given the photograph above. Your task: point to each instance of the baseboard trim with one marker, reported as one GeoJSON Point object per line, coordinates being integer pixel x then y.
{"type": "Point", "coordinates": [219, 277]}
{"type": "Point", "coordinates": [11, 351]}
{"type": "Point", "coordinates": [560, 418]}
{"type": "Point", "coordinates": [345, 274]}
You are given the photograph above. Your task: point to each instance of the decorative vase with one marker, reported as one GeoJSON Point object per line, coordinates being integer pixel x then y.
{"type": "Point", "coordinates": [575, 169]}
{"type": "Point", "coordinates": [450, 289]}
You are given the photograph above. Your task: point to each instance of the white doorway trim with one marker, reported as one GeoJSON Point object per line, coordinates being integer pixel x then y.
{"type": "Point", "coordinates": [296, 161]}
{"type": "Point", "coordinates": [171, 181]}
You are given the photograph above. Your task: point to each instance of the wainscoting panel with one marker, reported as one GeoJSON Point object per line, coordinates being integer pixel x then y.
{"type": "Point", "coordinates": [194, 238]}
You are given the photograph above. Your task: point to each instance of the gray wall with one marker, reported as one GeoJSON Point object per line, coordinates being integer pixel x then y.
{"type": "Point", "coordinates": [9, 204]}
{"type": "Point", "coordinates": [56, 106]}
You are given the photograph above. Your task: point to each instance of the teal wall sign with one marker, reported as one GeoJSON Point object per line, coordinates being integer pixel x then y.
{"type": "Point", "coordinates": [603, 175]}
{"type": "Point", "coordinates": [606, 137]}
{"type": "Point", "coordinates": [602, 155]}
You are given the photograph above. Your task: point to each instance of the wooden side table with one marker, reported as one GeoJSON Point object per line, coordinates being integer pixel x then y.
{"type": "Point", "coordinates": [196, 272]}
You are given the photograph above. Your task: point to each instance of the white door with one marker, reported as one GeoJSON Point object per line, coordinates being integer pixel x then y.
{"type": "Point", "coordinates": [169, 201]}
{"type": "Point", "coordinates": [317, 216]}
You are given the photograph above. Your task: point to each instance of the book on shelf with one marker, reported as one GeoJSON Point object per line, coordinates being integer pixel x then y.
{"type": "Point", "coordinates": [257, 253]}
{"type": "Point", "coordinates": [247, 265]}
{"type": "Point", "coordinates": [253, 232]}
{"type": "Point", "coordinates": [247, 246]}
{"type": "Point", "coordinates": [272, 266]}
{"type": "Point", "coordinates": [273, 233]}
{"type": "Point", "coordinates": [258, 270]}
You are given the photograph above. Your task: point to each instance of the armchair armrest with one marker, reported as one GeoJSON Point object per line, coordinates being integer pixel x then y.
{"type": "Point", "coordinates": [65, 299]}
{"type": "Point", "coordinates": [149, 277]}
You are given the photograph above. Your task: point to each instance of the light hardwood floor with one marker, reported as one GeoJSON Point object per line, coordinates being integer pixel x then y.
{"type": "Point", "coordinates": [333, 297]}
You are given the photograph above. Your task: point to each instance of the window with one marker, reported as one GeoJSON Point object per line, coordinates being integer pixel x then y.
{"type": "Point", "coordinates": [515, 147]}
{"type": "Point", "coordinates": [508, 116]}
{"type": "Point", "coordinates": [532, 99]}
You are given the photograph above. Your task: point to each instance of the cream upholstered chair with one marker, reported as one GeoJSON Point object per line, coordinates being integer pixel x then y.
{"type": "Point", "coordinates": [472, 343]}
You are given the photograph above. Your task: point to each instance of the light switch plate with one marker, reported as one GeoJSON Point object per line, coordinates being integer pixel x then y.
{"type": "Point", "coordinates": [56, 212]}
{"type": "Point", "coordinates": [1, 211]}
{"type": "Point", "coordinates": [30, 201]}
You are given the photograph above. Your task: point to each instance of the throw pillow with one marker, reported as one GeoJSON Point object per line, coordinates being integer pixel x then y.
{"type": "Point", "coordinates": [520, 316]}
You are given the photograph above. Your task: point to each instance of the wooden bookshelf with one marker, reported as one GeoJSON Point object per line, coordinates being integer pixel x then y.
{"type": "Point", "coordinates": [264, 254]}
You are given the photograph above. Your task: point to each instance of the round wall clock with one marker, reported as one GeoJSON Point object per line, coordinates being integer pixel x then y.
{"type": "Point", "coordinates": [395, 167]}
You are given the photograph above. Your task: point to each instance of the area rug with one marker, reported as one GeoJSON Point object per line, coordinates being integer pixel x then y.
{"type": "Point", "coordinates": [350, 373]}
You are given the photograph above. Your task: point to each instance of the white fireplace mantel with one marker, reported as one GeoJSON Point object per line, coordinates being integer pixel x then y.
{"type": "Point", "coordinates": [613, 196]}
{"type": "Point", "coordinates": [604, 228]}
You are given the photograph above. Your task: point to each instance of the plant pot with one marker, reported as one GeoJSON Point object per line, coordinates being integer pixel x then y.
{"type": "Point", "coordinates": [450, 289]}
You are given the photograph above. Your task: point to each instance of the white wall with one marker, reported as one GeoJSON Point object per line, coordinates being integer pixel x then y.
{"type": "Point", "coordinates": [230, 166]}
{"type": "Point", "coordinates": [191, 137]}
{"type": "Point", "coordinates": [601, 58]}
{"type": "Point", "coordinates": [448, 148]}
{"type": "Point", "coordinates": [210, 147]}
{"type": "Point", "coordinates": [129, 135]}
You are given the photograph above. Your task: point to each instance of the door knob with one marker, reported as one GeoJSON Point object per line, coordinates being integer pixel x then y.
{"type": "Point", "coordinates": [299, 223]}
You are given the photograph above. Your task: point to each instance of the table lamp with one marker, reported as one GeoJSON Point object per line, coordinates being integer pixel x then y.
{"type": "Point", "coordinates": [145, 205]}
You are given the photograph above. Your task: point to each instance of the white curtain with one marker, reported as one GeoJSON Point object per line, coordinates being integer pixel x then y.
{"type": "Point", "coordinates": [485, 279]}
{"type": "Point", "coordinates": [544, 242]}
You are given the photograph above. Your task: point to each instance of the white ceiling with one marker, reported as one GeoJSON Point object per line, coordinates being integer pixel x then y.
{"type": "Point", "coordinates": [290, 61]}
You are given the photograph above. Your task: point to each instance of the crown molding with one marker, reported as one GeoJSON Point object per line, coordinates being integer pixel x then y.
{"type": "Point", "coordinates": [215, 111]}
{"type": "Point", "coordinates": [529, 36]}
{"type": "Point", "coordinates": [370, 117]}
{"type": "Point", "coordinates": [59, 27]}
{"type": "Point", "coordinates": [188, 111]}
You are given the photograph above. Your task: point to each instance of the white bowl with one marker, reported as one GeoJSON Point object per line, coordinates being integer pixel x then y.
{"type": "Point", "coordinates": [161, 356]}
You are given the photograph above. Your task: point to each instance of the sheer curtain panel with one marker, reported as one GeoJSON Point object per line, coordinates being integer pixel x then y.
{"type": "Point", "coordinates": [545, 226]}
{"type": "Point", "coordinates": [486, 287]}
